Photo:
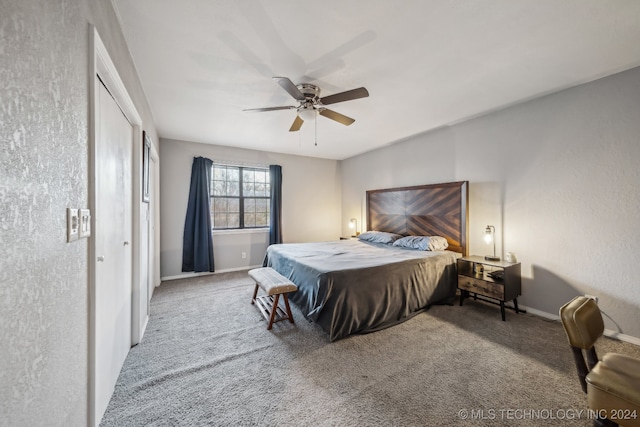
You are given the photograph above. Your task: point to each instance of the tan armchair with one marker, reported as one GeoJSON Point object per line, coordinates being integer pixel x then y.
{"type": "Point", "coordinates": [612, 384]}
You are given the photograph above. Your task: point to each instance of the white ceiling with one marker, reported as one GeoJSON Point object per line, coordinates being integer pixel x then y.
{"type": "Point", "coordinates": [425, 63]}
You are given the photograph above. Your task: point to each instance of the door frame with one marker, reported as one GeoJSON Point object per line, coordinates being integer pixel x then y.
{"type": "Point", "coordinates": [100, 64]}
{"type": "Point", "coordinates": [141, 309]}
{"type": "Point", "coordinates": [154, 219]}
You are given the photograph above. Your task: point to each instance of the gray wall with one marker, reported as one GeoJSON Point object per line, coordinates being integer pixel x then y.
{"type": "Point", "coordinates": [44, 98]}
{"type": "Point", "coordinates": [559, 179]}
{"type": "Point", "coordinates": [311, 204]}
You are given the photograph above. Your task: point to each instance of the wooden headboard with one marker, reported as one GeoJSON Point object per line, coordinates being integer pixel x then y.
{"type": "Point", "coordinates": [423, 210]}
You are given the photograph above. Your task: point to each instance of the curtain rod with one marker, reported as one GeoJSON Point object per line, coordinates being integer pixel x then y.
{"type": "Point", "coordinates": [239, 163]}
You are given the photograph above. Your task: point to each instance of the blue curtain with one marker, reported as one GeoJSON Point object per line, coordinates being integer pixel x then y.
{"type": "Point", "coordinates": [275, 229]}
{"type": "Point", "coordinates": [197, 243]}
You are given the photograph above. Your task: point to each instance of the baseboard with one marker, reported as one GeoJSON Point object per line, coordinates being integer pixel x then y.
{"type": "Point", "coordinates": [185, 276]}
{"type": "Point", "coordinates": [621, 337]}
{"type": "Point", "coordinates": [607, 332]}
{"type": "Point", "coordinates": [207, 273]}
{"type": "Point", "coordinates": [541, 313]}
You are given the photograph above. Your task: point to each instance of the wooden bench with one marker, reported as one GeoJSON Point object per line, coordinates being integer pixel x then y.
{"type": "Point", "coordinates": [274, 284]}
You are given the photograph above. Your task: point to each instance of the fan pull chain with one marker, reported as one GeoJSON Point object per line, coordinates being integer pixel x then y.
{"type": "Point", "coordinates": [316, 125]}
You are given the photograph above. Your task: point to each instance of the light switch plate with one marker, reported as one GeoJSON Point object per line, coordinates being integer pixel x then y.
{"type": "Point", "coordinates": [72, 224]}
{"type": "Point", "coordinates": [85, 223]}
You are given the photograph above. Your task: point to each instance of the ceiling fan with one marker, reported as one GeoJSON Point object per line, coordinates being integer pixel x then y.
{"type": "Point", "coordinates": [310, 104]}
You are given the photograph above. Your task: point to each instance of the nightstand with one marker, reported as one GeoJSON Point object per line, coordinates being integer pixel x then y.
{"type": "Point", "coordinates": [348, 237]}
{"type": "Point", "coordinates": [474, 278]}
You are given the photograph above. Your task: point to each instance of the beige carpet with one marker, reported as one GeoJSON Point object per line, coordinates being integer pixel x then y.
{"type": "Point", "coordinates": [207, 359]}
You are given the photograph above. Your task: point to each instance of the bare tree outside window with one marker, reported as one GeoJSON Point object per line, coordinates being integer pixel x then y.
{"type": "Point", "coordinates": [240, 197]}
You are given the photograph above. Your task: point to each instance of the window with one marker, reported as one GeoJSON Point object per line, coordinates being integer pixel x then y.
{"type": "Point", "coordinates": [240, 197]}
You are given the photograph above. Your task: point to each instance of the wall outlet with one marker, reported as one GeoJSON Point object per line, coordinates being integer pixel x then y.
{"type": "Point", "coordinates": [244, 255]}
{"type": "Point", "coordinates": [593, 297]}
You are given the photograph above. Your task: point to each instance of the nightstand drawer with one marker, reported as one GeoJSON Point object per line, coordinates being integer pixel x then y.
{"type": "Point", "coordinates": [477, 286]}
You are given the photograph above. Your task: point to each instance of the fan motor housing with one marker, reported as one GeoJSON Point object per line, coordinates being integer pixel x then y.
{"type": "Point", "coordinates": [309, 90]}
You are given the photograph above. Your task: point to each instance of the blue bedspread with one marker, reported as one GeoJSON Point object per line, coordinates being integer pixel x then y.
{"type": "Point", "coordinates": [351, 286]}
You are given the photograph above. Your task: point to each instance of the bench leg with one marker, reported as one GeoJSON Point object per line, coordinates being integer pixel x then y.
{"type": "Point", "coordinates": [274, 310]}
{"type": "Point", "coordinates": [286, 303]}
{"type": "Point", "coordinates": [255, 294]}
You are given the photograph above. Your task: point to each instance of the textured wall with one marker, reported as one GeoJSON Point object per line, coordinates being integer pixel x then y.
{"type": "Point", "coordinates": [557, 176]}
{"type": "Point", "coordinates": [44, 60]}
{"type": "Point", "coordinates": [43, 294]}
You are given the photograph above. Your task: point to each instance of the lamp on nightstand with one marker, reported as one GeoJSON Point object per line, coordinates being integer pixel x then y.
{"type": "Point", "coordinates": [353, 223]}
{"type": "Point", "coordinates": [490, 237]}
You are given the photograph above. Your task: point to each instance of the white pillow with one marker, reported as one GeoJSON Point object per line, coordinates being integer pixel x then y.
{"type": "Point", "coordinates": [437, 243]}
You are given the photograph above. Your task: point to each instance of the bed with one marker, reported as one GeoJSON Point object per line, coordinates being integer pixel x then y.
{"type": "Point", "coordinates": [352, 286]}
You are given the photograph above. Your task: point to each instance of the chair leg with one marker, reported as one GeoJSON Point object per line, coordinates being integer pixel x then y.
{"type": "Point", "coordinates": [286, 304]}
{"type": "Point", "coordinates": [580, 366]}
{"type": "Point", "coordinates": [274, 310]}
{"type": "Point", "coordinates": [592, 358]}
{"type": "Point", "coordinates": [255, 294]}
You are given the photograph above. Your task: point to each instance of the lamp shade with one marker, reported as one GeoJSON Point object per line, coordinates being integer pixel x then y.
{"type": "Point", "coordinates": [489, 238]}
{"type": "Point", "coordinates": [353, 223]}
{"type": "Point", "coordinates": [307, 114]}
{"type": "Point", "coordinates": [488, 235]}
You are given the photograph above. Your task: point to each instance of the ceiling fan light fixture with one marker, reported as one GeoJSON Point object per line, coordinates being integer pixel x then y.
{"type": "Point", "coordinates": [308, 114]}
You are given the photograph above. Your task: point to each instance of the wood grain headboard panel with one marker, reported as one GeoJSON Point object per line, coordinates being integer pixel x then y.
{"type": "Point", "coordinates": [423, 210]}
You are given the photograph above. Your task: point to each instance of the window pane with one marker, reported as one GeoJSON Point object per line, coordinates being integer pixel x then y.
{"type": "Point", "coordinates": [249, 220]}
{"type": "Point", "coordinates": [248, 189]}
{"type": "Point", "coordinates": [261, 205]}
{"type": "Point", "coordinates": [219, 173]}
{"type": "Point", "coordinates": [234, 220]}
{"type": "Point", "coordinates": [233, 188]}
{"type": "Point", "coordinates": [219, 205]}
{"type": "Point", "coordinates": [234, 205]}
{"type": "Point", "coordinates": [247, 176]}
{"type": "Point", "coordinates": [220, 220]}
{"type": "Point", "coordinates": [249, 205]}
{"type": "Point", "coordinates": [218, 188]}
{"type": "Point", "coordinates": [260, 176]}
{"type": "Point", "coordinates": [261, 219]}
{"type": "Point", "coordinates": [233, 174]}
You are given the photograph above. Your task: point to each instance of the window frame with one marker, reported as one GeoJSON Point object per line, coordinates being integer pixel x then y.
{"type": "Point", "coordinates": [240, 197]}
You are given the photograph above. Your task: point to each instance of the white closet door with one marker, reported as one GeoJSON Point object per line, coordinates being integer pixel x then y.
{"type": "Point", "coordinates": [113, 234]}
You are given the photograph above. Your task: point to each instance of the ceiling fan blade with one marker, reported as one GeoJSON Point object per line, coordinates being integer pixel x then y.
{"type": "Point", "coordinates": [290, 88]}
{"type": "Point", "coordinates": [297, 123]}
{"type": "Point", "coordinates": [270, 108]}
{"type": "Point", "coordinates": [340, 118]}
{"type": "Point", "coordinates": [345, 96]}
